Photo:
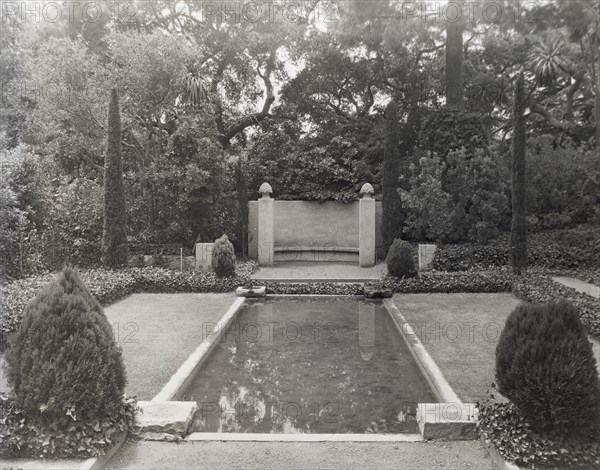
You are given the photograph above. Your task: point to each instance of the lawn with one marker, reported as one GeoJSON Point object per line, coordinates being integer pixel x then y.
{"type": "Point", "coordinates": [460, 332]}
{"type": "Point", "coordinates": [158, 332]}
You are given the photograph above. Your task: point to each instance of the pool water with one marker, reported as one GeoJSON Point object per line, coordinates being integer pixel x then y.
{"type": "Point", "coordinates": [312, 365]}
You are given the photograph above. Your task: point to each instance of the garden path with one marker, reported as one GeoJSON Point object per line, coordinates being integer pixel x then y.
{"type": "Point", "coordinates": [580, 286]}
{"type": "Point", "coordinates": [310, 271]}
{"type": "Point", "coordinates": [275, 455]}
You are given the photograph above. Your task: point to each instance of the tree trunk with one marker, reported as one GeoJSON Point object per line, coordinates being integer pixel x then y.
{"type": "Point", "coordinates": [598, 114]}
{"type": "Point", "coordinates": [454, 58]}
{"type": "Point", "coordinates": [518, 235]}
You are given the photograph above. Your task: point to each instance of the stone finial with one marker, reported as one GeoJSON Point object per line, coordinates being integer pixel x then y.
{"type": "Point", "coordinates": [367, 190]}
{"type": "Point", "coordinates": [265, 190]}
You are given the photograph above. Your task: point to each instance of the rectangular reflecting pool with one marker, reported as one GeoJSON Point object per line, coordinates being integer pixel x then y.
{"type": "Point", "coordinates": [309, 365]}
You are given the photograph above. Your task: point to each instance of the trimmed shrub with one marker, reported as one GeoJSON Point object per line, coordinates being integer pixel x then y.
{"type": "Point", "coordinates": [223, 257]}
{"type": "Point", "coordinates": [63, 362]}
{"type": "Point", "coordinates": [401, 259]}
{"type": "Point", "coordinates": [67, 377]}
{"type": "Point", "coordinates": [546, 367]}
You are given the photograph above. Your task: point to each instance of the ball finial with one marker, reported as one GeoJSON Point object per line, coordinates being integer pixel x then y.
{"type": "Point", "coordinates": [367, 190]}
{"type": "Point", "coordinates": [265, 189]}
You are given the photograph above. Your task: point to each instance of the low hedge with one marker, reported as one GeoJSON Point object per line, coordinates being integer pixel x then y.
{"type": "Point", "coordinates": [554, 249]}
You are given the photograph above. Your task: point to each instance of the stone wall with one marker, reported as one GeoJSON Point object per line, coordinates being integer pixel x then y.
{"type": "Point", "coordinates": [323, 225]}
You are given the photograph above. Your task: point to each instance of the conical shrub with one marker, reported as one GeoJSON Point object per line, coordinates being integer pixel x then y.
{"type": "Point", "coordinates": [545, 365]}
{"type": "Point", "coordinates": [63, 361]}
{"type": "Point", "coordinates": [223, 257]}
{"type": "Point", "coordinates": [401, 259]}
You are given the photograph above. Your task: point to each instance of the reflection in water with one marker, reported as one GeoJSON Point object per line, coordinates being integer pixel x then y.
{"type": "Point", "coordinates": [366, 329]}
{"type": "Point", "coordinates": [299, 366]}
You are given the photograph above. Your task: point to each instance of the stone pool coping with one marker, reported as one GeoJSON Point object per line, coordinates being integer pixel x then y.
{"type": "Point", "coordinates": [187, 371]}
{"type": "Point", "coordinates": [430, 370]}
{"type": "Point", "coordinates": [332, 437]}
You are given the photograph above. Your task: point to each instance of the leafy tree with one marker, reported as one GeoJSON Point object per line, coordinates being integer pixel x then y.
{"type": "Point", "coordinates": [393, 216]}
{"type": "Point", "coordinates": [114, 233]}
{"type": "Point", "coordinates": [518, 235]}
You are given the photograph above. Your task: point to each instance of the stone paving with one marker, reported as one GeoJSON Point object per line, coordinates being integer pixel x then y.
{"type": "Point", "coordinates": [310, 271]}
{"type": "Point", "coordinates": [579, 286]}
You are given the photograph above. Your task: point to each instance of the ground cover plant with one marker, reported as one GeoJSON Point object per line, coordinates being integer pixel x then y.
{"type": "Point", "coordinates": [574, 248]}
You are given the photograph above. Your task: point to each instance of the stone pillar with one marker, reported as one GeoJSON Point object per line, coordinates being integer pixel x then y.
{"type": "Point", "coordinates": [204, 256]}
{"type": "Point", "coordinates": [426, 254]}
{"type": "Point", "coordinates": [265, 226]}
{"type": "Point", "coordinates": [366, 227]}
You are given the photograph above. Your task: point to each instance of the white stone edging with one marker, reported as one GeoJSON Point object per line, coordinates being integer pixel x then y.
{"type": "Point", "coordinates": [95, 463]}
{"type": "Point", "coordinates": [267, 437]}
{"type": "Point", "coordinates": [440, 387]}
{"type": "Point", "coordinates": [497, 458]}
{"type": "Point", "coordinates": [184, 375]}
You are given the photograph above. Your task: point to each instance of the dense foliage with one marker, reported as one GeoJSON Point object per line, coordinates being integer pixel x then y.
{"type": "Point", "coordinates": [302, 105]}
{"type": "Point", "coordinates": [400, 259]}
{"type": "Point", "coordinates": [458, 198]}
{"type": "Point", "coordinates": [223, 257]}
{"type": "Point", "coordinates": [578, 247]}
{"type": "Point", "coordinates": [546, 367]}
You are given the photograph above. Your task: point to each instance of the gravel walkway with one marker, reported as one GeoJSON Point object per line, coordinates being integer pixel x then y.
{"type": "Point", "coordinates": [290, 455]}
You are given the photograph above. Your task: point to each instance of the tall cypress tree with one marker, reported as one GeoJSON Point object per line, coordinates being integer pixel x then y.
{"type": "Point", "coordinates": [518, 234]}
{"type": "Point", "coordinates": [393, 219]}
{"type": "Point", "coordinates": [242, 195]}
{"type": "Point", "coordinates": [114, 234]}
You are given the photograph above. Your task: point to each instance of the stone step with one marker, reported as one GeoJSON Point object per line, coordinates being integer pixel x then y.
{"type": "Point", "coordinates": [165, 417]}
